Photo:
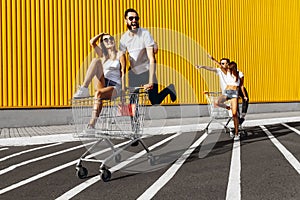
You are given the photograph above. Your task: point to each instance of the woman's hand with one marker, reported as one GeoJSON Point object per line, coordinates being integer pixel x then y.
{"type": "Point", "coordinates": [198, 66]}
{"type": "Point", "coordinates": [210, 56]}
{"type": "Point", "coordinates": [245, 98]}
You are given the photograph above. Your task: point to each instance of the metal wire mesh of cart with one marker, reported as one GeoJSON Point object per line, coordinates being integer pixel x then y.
{"type": "Point", "coordinates": [215, 111]}
{"type": "Point", "coordinates": [119, 117]}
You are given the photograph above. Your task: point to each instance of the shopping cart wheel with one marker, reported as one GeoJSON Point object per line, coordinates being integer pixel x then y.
{"type": "Point", "coordinates": [105, 175]}
{"type": "Point", "coordinates": [134, 144]}
{"type": "Point", "coordinates": [244, 134]}
{"type": "Point", "coordinates": [81, 172]}
{"type": "Point", "coordinates": [118, 158]}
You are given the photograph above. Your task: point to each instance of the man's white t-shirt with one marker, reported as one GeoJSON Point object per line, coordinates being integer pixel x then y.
{"type": "Point", "coordinates": [227, 79]}
{"type": "Point", "coordinates": [136, 46]}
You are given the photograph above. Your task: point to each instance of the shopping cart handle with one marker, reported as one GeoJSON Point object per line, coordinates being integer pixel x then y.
{"type": "Point", "coordinates": [212, 93]}
{"type": "Point", "coordinates": [136, 89]}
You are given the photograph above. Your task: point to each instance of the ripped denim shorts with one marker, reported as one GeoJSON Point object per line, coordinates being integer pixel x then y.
{"type": "Point", "coordinates": [231, 94]}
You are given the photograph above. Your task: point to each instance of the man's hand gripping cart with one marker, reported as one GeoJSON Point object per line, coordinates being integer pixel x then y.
{"type": "Point", "coordinates": [120, 118]}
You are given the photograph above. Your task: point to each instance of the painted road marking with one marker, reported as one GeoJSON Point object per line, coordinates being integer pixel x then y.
{"type": "Point", "coordinates": [12, 167]}
{"type": "Point", "coordinates": [234, 179]}
{"type": "Point", "coordinates": [3, 149]}
{"type": "Point", "coordinates": [289, 157]}
{"type": "Point", "coordinates": [291, 128]}
{"type": "Point", "coordinates": [53, 170]}
{"type": "Point", "coordinates": [166, 177]}
{"type": "Point", "coordinates": [79, 188]}
{"type": "Point", "coordinates": [27, 151]}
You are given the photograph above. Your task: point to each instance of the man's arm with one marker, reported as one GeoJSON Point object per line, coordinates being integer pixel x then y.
{"type": "Point", "coordinates": [207, 68]}
{"type": "Point", "coordinates": [123, 70]}
{"type": "Point", "coordinates": [152, 68]}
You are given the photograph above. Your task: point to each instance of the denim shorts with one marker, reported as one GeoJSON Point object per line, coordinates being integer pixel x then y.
{"type": "Point", "coordinates": [231, 94]}
{"type": "Point", "coordinates": [116, 86]}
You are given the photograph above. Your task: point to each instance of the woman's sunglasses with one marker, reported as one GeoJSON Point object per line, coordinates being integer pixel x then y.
{"type": "Point", "coordinates": [108, 38]}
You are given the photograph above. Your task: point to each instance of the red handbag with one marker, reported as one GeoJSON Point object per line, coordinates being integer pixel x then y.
{"type": "Point", "coordinates": [126, 109]}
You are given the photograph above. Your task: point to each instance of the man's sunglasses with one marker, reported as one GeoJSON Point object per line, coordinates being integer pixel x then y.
{"type": "Point", "coordinates": [136, 18]}
{"type": "Point", "coordinates": [223, 63]}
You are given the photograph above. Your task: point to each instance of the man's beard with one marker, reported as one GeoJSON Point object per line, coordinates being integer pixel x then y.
{"type": "Point", "coordinates": [133, 30]}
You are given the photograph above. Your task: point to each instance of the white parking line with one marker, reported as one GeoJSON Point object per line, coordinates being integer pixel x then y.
{"type": "Point", "coordinates": [79, 188]}
{"type": "Point", "coordinates": [12, 167]}
{"type": "Point", "coordinates": [234, 179]}
{"type": "Point", "coordinates": [27, 151]}
{"type": "Point", "coordinates": [291, 128]}
{"type": "Point", "coordinates": [289, 157]}
{"type": "Point", "coordinates": [48, 172]}
{"type": "Point", "coordinates": [166, 177]}
{"type": "Point", "coordinates": [3, 149]}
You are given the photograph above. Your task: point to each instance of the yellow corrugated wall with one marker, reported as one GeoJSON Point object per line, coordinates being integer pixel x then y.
{"type": "Point", "coordinates": [45, 51]}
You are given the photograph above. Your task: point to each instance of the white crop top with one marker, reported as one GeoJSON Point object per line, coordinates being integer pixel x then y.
{"type": "Point", "coordinates": [111, 69]}
{"type": "Point", "coordinates": [230, 80]}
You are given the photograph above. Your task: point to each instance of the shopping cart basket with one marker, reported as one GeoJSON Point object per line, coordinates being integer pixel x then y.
{"type": "Point", "coordinates": [218, 113]}
{"type": "Point", "coordinates": [120, 118]}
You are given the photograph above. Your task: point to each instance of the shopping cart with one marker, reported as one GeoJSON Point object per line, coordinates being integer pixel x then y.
{"type": "Point", "coordinates": [120, 118]}
{"type": "Point", "coordinates": [218, 114]}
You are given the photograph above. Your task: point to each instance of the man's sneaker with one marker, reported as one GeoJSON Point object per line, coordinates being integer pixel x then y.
{"type": "Point", "coordinates": [241, 120]}
{"type": "Point", "coordinates": [236, 138]}
{"type": "Point", "coordinates": [82, 92]}
{"type": "Point", "coordinates": [173, 94]}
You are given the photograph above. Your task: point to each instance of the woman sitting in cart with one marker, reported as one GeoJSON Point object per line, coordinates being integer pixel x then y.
{"type": "Point", "coordinates": [107, 72]}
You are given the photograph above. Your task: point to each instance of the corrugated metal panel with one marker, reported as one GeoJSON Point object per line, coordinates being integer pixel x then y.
{"type": "Point", "coordinates": [45, 46]}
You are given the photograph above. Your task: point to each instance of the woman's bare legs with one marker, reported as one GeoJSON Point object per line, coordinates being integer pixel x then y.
{"type": "Point", "coordinates": [102, 92]}
{"type": "Point", "coordinates": [234, 110]}
{"type": "Point", "coordinates": [220, 102]}
{"type": "Point", "coordinates": [95, 69]}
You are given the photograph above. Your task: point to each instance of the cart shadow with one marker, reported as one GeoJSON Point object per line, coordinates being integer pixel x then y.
{"type": "Point", "coordinates": [254, 134]}
{"type": "Point", "coordinates": [222, 146]}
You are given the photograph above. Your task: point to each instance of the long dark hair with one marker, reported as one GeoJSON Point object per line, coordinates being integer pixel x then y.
{"type": "Point", "coordinates": [102, 46]}
{"type": "Point", "coordinates": [233, 70]}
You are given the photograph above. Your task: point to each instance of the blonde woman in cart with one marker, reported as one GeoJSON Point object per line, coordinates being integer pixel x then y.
{"type": "Point", "coordinates": [107, 72]}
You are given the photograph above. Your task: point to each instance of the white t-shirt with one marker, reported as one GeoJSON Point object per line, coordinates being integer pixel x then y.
{"type": "Point", "coordinates": [136, 46]}
{"type": "Point", "coordinates": [227, 79]}
{"type": "Point", "coordinates": [111, 69]}
{"type": "Point", "coordinates": [231, 80]}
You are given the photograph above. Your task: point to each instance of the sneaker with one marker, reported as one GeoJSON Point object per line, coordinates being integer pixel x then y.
{"type": "Point", "coordinates": [241, 120]}
{"type": "Point", "coordinates": [82, 92]}
{"type": "Point", "coordinates": [231, 134]}
{"type": "Point", "coordinates": [236, 138]}
{"type": "Point", "coordinates": [173, 94]}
